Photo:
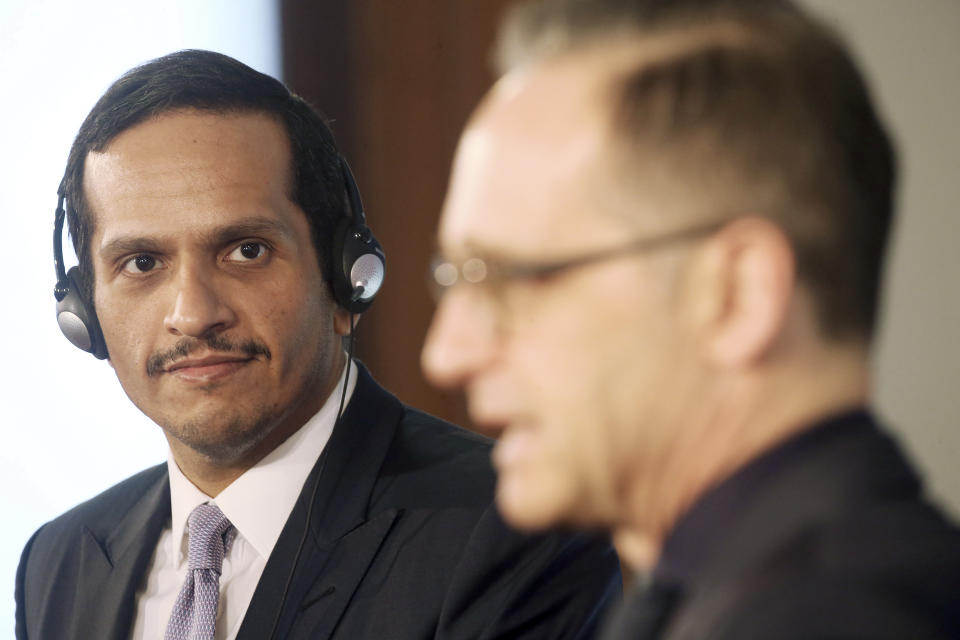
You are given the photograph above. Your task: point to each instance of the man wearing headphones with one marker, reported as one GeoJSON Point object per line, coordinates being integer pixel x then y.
{"type": "Point", "coordinates": [662, 249]}
{"type": "Point", "coordinates": [223, 258]}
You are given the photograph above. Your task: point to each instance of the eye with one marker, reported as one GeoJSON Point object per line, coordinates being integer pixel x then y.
{"type": "Point", "coordinates": [140, 264]}
{"type": "Point", "coordinates": [247, 251]}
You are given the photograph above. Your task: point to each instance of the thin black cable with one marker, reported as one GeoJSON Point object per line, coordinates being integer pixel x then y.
{"type": "Point", "coordinates": [316, 481]}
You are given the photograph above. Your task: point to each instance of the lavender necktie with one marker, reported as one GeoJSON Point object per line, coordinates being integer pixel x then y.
{"type": "Point", "coordinates": [194, 614]}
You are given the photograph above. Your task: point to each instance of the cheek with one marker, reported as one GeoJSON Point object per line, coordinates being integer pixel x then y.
{"type": "Point", "coordinates": [295, 318]}
{"type": "Point", "coordinates": [593, 380]}
{"type": "Point", "coordinates": [571, 363]}
{"type": "Point", "coordinates": [130, 329]}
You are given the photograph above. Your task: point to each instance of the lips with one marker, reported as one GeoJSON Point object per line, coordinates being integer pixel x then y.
{"type": "Point", "coordinates": [516, 434]}
{"type": "Point", "coordinates": [489, 415]}
{"type": "Point", "coordinates": [514, 447]}
{"type": "Point", "coordinates": [207, 369]}
{"type": "Point", "coordinates": [497, 415]}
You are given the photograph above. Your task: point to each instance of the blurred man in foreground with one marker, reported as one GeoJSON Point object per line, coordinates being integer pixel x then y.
{"type": "Point", "coordinates": [662, 248]}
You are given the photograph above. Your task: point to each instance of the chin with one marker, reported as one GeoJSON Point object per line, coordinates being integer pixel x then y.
{"type": "Point", "coordinates": [533, 503]}
{"type": "Point", "coordinates": [224, 443]}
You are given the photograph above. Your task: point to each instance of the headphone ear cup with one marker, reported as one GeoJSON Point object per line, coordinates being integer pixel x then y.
{"type": "Point", "coordinates": [77, 319]}
{"type": "Point", "coordinates": [357, 258]}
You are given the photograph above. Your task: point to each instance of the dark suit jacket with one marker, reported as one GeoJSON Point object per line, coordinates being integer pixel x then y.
{"type": "Point", "coordinates": [827, 536]}
{"type": "Point", "coordinates": [403, 543]}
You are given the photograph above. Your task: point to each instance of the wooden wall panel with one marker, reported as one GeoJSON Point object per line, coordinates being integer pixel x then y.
{"type": "Point", "coordinates": [399, 79]}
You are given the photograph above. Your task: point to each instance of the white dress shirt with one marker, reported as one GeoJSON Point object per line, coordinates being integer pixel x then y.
{"type": "Point", "coordinates": [258, 504]}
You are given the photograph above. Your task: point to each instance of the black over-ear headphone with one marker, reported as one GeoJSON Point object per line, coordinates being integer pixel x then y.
{"type": "Point", "coordinates": [77, 319]}
{"type": "Point", "coordinates": [358, 261]}
{"type": "Point", "coordinates": [359, 266]}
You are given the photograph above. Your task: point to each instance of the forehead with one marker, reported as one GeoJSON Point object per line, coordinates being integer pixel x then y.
{"type": "Point", "coordinates": [529, 171]}
{"type": "Point", "coordinates": [185, 158]}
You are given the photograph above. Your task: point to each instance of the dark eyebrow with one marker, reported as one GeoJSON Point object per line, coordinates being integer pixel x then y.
{"type": "Point", "coordinates": [248, 227]}
{"type": "Point", "coordinates": [254, 226]}
{"type": "Point", "coordinates": [123, 245]}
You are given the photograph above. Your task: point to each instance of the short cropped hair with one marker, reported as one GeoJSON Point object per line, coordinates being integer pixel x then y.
{"type": "Point", "coordinates": [213, 82]}
{"type": "Point", "coordinates": [773, 120]}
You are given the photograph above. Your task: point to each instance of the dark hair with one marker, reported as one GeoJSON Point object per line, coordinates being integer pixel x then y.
{"type": "Point", "coordinates": [209, 81]}
{"type": "Point", "coordinates": [762, 110]}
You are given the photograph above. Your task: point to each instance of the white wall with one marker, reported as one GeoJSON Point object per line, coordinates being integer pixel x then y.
{"type": "Point", "coordinates": [68, 431]}
{"type": "Point", "coordinates": [911, 54]}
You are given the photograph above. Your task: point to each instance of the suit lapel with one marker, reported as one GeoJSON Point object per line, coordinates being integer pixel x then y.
{"type": "Point", "coordinates": [113, 561]}
{"type": "Point", "coordinates": [327, 578]}
{"type": "Point", "coordinates": [342, 539]}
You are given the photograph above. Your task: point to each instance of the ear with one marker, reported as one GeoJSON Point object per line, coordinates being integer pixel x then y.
{"type": "Point", "coordinates": [341, 321]}
{"type": "Point", "coordinates": [744, 286]}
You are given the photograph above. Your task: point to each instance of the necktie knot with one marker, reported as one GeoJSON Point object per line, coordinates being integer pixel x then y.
{"type": "Point", "coordinates": [210, 534]}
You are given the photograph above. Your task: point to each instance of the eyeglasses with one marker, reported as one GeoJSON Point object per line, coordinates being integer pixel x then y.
{"type": "Point", "coordinates": [494, 274]}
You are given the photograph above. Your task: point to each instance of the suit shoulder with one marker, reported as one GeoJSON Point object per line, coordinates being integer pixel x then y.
{"type": "Point", "coordinates": [427, 436]}
{"type": "Point", "coordinates": [104, 508]}
{"type": "Point", "coordinates": [836, 606]}
{"type": "Point", "coordinates": [436, 463]}
{"type": "Point", "coordinates": [890, 570]}
{"type": "Point", "coordinates": [55, 544]}
{"type": "Point", "coordinates": [58, 564]}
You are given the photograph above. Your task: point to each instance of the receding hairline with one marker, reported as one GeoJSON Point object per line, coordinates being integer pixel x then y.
{"type": "Point", "coordinates": [634, 44]}
{"type": "Point", "coordinates": [611, 58]}
{"type": "Point", "coordinates": [623, 51]}
{"type": "Point", "coordinates": [607, 61]}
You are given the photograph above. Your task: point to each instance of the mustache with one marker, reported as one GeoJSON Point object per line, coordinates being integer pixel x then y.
{"type": "Point", "coordinates": [158, 362]}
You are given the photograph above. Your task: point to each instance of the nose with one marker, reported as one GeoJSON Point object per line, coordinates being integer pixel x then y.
{"type": "Point", "coordinates": [461, 341]}
{"type": "Point", "coordinates": [198, 308]}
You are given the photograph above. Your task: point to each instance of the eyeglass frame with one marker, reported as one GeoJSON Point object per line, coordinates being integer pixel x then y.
{"type": "Point", "coordinates": [496, 273]}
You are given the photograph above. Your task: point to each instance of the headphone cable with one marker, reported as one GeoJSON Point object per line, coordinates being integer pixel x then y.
{"type": "Point", "coordinates": [316, 481]}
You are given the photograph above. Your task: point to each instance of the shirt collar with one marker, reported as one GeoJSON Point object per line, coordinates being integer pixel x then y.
{"type": "Point", "coordinates": [259, 502]}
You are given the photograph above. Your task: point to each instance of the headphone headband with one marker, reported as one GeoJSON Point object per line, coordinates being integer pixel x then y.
{"type": "Point", "coordinates": [61, 273]}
